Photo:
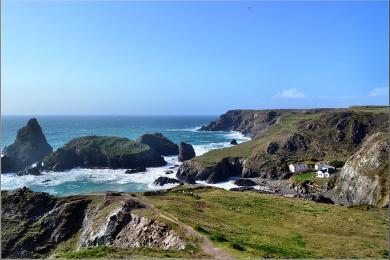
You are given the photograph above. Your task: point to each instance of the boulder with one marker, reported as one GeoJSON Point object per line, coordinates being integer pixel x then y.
{"type": "Point", "coordinates": [169, 172]}
{"type": "Point", "coordinates": [29, 146]}
{"type": "Point", "coordinates": [233, 142]}
{"type": "Point", "coordinates": [186, 152]}
{"type": "Point", "coordinates": [272, 148]}
{"type": "Point", "coordinates": [136, 170]}
{"type": "Point", "coordinates": [242, 189]}
{"type": "Point", "coordinates": [244, 182]}
{"type": "Point", "coordinates": [159, 143]}
{"type": "Point", "coordinates": [103, 152]}
{"type": "Point", "coordinates": [33, 170]}
{"type": "Point", "coordinates": [161, 181]}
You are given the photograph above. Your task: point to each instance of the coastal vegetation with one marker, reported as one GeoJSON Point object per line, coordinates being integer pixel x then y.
{"type": "Point", "coordinates": [254, 225]}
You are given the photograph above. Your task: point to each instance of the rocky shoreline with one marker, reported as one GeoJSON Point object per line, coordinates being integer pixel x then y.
{"type": "Point", "coordinates": [313, 135]}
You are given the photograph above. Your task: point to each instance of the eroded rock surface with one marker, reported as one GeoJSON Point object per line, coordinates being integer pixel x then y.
{"type": "Point", "coordinates": [364, 177]}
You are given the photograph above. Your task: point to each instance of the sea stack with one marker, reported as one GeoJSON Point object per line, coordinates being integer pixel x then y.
{"type": "Point", "coordinates": [29, 147]}
{"type": "Point", "coordinates": [186, 152]}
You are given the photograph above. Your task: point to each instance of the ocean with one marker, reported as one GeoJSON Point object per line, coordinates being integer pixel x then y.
{"type": "Point", "coordinates": [61, 129]}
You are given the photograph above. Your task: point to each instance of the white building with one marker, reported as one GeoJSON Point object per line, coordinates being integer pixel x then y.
{"type": "Point", "coordinates": [322, 165]}
{"type": "Point", "coordinates": [298, 167]}
{"type": "Point", "coordinates": [325, 171]}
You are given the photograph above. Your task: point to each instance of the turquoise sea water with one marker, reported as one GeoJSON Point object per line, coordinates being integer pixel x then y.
{"type": "Point", "coordinates": [61, 129]}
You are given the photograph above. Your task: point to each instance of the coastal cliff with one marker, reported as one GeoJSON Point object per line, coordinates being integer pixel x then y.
{"type": "Point", "coordinates": [36, 224]}
{"type": "Point", "coordinates": [364, 178]}
{"type": "Point", "coordinates": [287, 136]}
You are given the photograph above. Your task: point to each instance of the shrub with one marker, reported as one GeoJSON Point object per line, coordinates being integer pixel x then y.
{"type": "Point", "coordinates": [336, 163]}
{"type": "Point", "coordinates": [237, 246]}
{"type": "Point", "coordinates": [218, 237]}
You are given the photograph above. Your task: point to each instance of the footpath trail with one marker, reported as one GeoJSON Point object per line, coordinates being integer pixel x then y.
{"type": "Point", "coordinates": [206, 245]}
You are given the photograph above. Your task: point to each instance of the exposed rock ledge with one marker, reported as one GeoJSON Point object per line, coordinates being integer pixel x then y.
{"type": "Point", "coordinates": [364, 177]}
{"type": "Point", "coordinates": [192, 171]}
{"type": "Point", "coordinates": [35, 223]}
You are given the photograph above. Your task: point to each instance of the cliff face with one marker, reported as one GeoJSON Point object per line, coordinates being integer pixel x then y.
{"type": "Point", "coordinates": [247, 122]}
{"type": "Point", "coordinates": [288, 136]}
{"type": "Point", "coordinates": [364, 178]}
{"type": "Point", "coordinates": [36, 224]}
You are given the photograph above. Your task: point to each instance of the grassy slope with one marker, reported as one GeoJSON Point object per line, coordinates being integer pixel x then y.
{"type": "Point", "coordinates": [276, 132]}
{"type": "Point", "coordinates": [258, 225]}
{"type": "Point", "coordinates": [279, 131]}
{"type": "Point", "coordinates": [109, 144]}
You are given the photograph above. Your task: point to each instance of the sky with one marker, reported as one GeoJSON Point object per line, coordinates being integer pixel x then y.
{"type": "Point", "coordinates": [187, 58]}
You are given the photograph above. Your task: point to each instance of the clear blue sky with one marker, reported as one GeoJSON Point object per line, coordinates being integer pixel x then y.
{"type": "Point", "coordinates": [191, 58]}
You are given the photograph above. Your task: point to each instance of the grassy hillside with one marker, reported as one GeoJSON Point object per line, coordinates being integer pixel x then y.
{"type": "Point", "coordinates": [326, 134]}
{"type": "Point", "coordinates": [258, 225]}
{"type": "Point", "coordinates": [110, 145]}
{"type": "Point", "coordinates": [211, 222]}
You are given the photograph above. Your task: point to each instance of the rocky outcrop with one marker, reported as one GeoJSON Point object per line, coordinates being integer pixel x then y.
{"type": "Point", "coordinates": [233, 142]}
{"type": "Point", "coordinates": [102, 152]}
{"type": "Point", "coordinates": [161, 181]}
{"type": "Point", "coordinates": [147, 233]}
{"type": "Point", "coordinates": [364, 177]}
{"type": "Point", "coordinates": [272, 147]}
{"type": "Point", "coordinates": [186, 152]}
{"type": "Point", "coordinates": [34, 224]}
{"type": "Point", "coordinates": [244, 182]}
{"type": "Point", "coordinates": [136, 170]}
{"type": "Point", "coordinates": [11, 164]}
{"type": "Point", "coordinates": [192, 171]}
{"type": "Point", "coordinates": [32, 170]}
{"type": "Point", "coordinates": [247, 122]}
{"type": "Point", "coordinates": [159, 143]}
{"type": "Point", "coordinates": [29, 146]}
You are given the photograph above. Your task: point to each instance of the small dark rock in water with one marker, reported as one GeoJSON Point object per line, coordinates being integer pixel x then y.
{"type": "Point", "coordinates": [135, 170]}
{"type": "Point", "coordinates": [234, 142]}
{"type": "Point", "coordinates": [186, 152]}
{"type": "Point", "coordinates": [245, 182]}
{"type": "Point", "coordinates": [161, 181]}
{"type": "Point", "coordinates": [169, 172]}
{"type": "Point", "coordinates": [46, 181]}
{"type": "Point", "coordinates": [242, 189]}
{"type": "Point", "coordinates": [33, 170]}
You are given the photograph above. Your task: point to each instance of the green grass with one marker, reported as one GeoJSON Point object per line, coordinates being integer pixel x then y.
{"type": "Point", "coordinates": [112, 252]}
{"type": "Point", "coordinates": [258, 225]}
{"type": "Point", "coordinates": [370, 109]}
{"type": "Point", "coordinates": [109, 144]}
{"type": "Point", "coordinates": [303, 177]}
{"type": "Point", "coordinates": [276, 132]}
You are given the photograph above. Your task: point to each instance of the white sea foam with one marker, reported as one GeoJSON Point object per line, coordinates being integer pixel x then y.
{"type": "Point", "coordinates": [117, 178]}
{"type": "Point", "coordinates": [190, 129]}
{"type": "Point", "coordinates": [238, 136]}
